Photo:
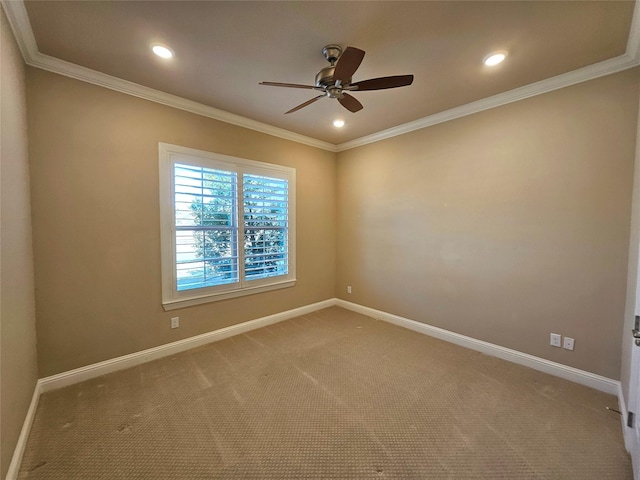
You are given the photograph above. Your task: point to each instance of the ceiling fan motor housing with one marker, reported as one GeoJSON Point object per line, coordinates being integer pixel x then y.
{"type": "Point", "coordinates": [324, 78]}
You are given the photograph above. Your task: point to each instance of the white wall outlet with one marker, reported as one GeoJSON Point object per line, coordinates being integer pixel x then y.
{"type": "Point", "coordinates": [568, 343]}
{"type": "Point", "coordinates": [175, 322]}
{"type": "Point", "coordinates": [556, 340]}
{"type": "Point", "coordinates": [349, 289]}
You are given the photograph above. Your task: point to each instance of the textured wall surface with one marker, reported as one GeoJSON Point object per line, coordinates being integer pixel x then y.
{"type": "Point", "coordinates": [94, 160]}
{"type": "Point", "coordinates": [18, 362]}
{"type": "Point", "coordinates": [505, 225]}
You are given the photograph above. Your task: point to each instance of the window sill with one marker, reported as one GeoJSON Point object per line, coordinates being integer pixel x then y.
{"type": "Point", "coordinates": [199, 300]}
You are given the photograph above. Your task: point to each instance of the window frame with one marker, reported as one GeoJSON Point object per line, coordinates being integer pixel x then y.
{"type": "Point", "coordinates": [172, 298]}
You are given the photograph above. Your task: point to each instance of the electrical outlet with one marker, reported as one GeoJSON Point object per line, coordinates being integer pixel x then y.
{"type": "Point", "coordinates": [556, 340]}
{"type": "Point", "coordinates": [349, 289]}
{"type": "Point", "coordinates": [175, 322]}
{"type": "Point", "coordinates": [568, 343]}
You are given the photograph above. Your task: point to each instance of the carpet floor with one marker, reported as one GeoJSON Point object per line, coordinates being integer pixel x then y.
{"type": "Point", "coordinates": [328, 395]}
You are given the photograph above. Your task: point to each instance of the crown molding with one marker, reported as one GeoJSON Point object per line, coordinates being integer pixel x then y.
{"type": "Point", "coordinates": [21, 27]}
{"type": "Point", "coordinates": [633, 43]}
{"type": "Point", "coordinates": [19, 21]}
{"type": "Point", "coordinates": [77, 72]}
{"type": "Point", "coordinates": [591, 72]}
{"type": "Point", "coordinates": [630, 59]}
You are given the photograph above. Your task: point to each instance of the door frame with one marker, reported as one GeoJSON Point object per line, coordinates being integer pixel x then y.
{"type": "Point", "coordinates": [632, 435]}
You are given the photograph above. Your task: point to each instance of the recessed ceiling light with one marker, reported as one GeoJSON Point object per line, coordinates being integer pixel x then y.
{"type": "Point", "coordinates": [338, 123]}
{"type": "Point", "coordinates": [162, 51]}
{"type": "Point", "coordinates": [494, 58]}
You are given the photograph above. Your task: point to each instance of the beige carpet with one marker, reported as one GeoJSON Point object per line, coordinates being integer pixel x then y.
{"type": "Point", "coordinates": [329, 395]}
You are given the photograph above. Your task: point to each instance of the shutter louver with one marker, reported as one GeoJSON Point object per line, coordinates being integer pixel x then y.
{"type": "Point", "coordinates": [205, 227]}
{"type": "Point", "coordinates": [266, 224]}
{"type": "Point", "coordinates": [227, 226]}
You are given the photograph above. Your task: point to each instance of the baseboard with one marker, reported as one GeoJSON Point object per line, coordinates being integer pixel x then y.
{"type": "Point", "coordinates": [603, 384]}
{"type": "Point", "coordinates": [21, 445]}
{"type": "Point", "coordinates": [582, 377]}
{"type": "Point", "coordinates": [95, 370]}
{"type": "Point", "coordinates": [126, 361]}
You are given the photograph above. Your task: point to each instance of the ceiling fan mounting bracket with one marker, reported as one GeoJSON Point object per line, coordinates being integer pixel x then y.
{"type": "Point", "coordinates": [332, 53]}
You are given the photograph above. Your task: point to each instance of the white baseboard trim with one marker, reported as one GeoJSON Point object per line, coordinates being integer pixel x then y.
{"type": "Point", "coordinates": [559, 370]}
{"type": "Point", "coordinates": [98, 369]}
{"type": "Point", "coordinates": [102, 368]}
{"type": "Point", "coordinates": [126, 361]}
{"type": "Point", "coordinates": [18, 452]}
{"type": "Point", "coordinates": [582, 377]}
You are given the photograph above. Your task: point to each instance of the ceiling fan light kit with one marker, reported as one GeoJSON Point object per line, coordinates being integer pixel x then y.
{"type": "Point", "coordinates": [335, 80]}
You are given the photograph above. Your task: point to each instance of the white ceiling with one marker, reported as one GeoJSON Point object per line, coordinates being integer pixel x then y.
{"type": "Point", "coordinates": [224, 49]}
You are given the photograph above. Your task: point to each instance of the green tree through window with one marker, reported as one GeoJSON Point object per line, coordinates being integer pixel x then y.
{"type": "Point", "coordinates": [227, 225]}
{"type": "Point", "coordinates": [265, 226]}
{"type": "Point", "coordinates": [207, 228]}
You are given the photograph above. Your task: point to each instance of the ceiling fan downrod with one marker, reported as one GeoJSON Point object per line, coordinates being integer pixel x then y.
{"type": "Point", "coordinates": [324, 78]}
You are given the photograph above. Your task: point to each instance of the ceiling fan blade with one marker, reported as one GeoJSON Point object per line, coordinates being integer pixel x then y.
{"type": "Point", "coordinates": [347, 64]}
{"type": "Point", "coordinates": [383, 83]}
{"type": "Point", "coordinates": [302, 105]}
{"type": "Point", "coordinates": [350, 103]}
{"type": "Point", "coordinates": [290, 85]}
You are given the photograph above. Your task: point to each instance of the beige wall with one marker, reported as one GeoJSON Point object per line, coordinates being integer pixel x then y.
{"type": "Point", "coordinates": [18, 364]}
{"type": "Point", "coordinates": [504, 226]}
{"type": "Point", "coordinates": [94, 167]}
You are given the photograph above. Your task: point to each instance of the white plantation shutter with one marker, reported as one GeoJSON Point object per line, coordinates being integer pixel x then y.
{"type": "Point", "coordinates": [266, 223]}
{"type": "Point", "coordinates": [227, 226]}
{"type": "Point", "coordinates": [206, 227]}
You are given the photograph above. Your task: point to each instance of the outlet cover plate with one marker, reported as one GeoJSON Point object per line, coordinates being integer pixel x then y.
{"type": "Point", "coordinates": [568, 343]}
{"type": "Point", "coordinates": [555, 340]}
{"type": "Point", "coordinates": [175, 322]}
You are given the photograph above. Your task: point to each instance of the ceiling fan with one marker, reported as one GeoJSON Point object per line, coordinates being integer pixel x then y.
{"type": "Point", "coordinates": [335, 80]}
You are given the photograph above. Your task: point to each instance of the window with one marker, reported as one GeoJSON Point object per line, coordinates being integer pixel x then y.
{"type": "Point", "coordinates": [227, 226]}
